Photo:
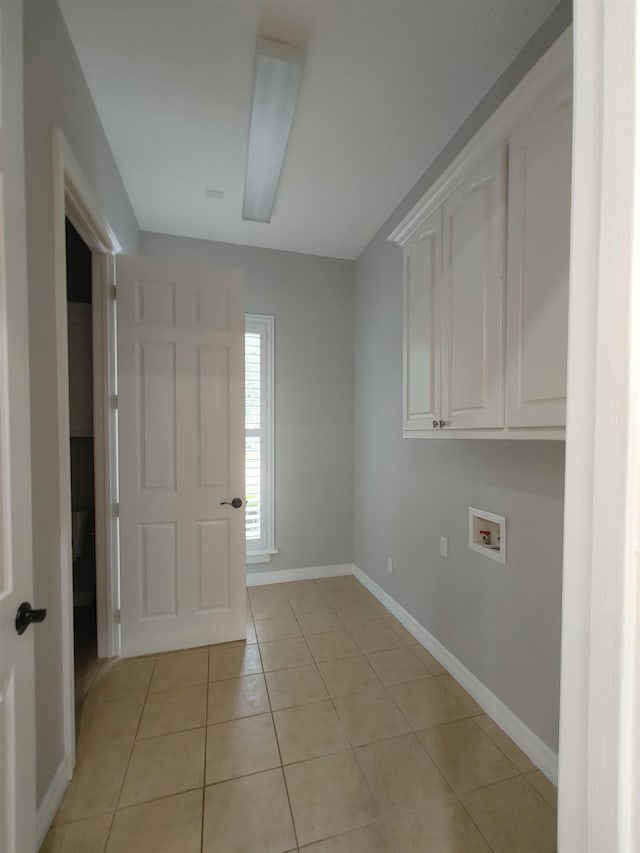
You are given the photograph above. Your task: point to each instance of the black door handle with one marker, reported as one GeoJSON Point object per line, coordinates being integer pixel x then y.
{"type": "Point", "coordinates": [236, 503]}
{"type": "Point", "coordinates": [26, 615]}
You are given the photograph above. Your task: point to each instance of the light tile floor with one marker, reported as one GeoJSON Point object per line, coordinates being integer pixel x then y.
{"type": "Point", "coordinates": [329, 731]}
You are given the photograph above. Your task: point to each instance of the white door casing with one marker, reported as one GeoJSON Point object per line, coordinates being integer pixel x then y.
{"type": "Point", "coordinates": [17, 697]}
{"type": "Point", "coordinates": [539, 215]}
{"type": "Point", "coordinates": [473, 297]}
{"type": "Point", "coordinates": [181, 440]}
{"type": "Point", "coordinates": [599, 767]}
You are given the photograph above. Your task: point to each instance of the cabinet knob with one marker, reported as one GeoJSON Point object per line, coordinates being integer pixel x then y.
{"type": "Point", "coordinates": [435, 424]}
{"type": "Point", "coordinates": [442, 424]}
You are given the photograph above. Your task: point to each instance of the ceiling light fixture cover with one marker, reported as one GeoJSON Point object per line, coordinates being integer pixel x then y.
{"type": "Point", "coordinates": [278, 73]}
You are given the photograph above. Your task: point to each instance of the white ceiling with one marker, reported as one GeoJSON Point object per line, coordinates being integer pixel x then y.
{"type": "Point", "coordinates": [386, 84]}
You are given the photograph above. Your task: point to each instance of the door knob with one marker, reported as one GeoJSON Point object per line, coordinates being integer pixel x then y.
{"type": "Point", "coordinates": [236, 503]}
{"type": "Point", "coordinates": [26, 615]}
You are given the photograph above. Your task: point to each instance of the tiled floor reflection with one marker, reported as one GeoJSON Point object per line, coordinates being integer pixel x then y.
{"type": "Point", "coordinates": [329, 731]}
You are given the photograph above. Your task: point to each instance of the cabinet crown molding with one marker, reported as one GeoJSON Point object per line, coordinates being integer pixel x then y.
{"type": "Point", "coordinates": [553, 67]}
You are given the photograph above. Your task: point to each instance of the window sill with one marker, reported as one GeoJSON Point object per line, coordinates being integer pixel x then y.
{"type": "Point", "coordinates": [261, 556]}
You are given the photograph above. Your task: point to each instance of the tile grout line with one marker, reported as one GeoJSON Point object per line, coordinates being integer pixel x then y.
{"type": "Point", "coordinates": [380, 818]}
{"type": "Point", "coordinates": [497, 746]}
{"type": "Point", "coordinates": [206, 742]}
{"type": "Point", "coordinates": [529, 782]}
{"type": "Point", "coordinates": [275, 732]}
{"type": "Point", "coordinates": [351, 747]}
{"type": "Point", "coordinates": [97, 743]}
{"type": "Point", "coordinates": [387, 692]}
{"type": "Point", "coordinates": [422, 745]}
{"type": "Point", "coordinates": [133, 743]}
{"type": "Point", "coordinates": [330, 698]}
{"type": "Point", "coordinates": [470, 816]}
{"type": "Point", "coordinates": [457, 795]}
{"type": "Point", "coordinates": [341, 722]}
{"type": "Point", "coordinates": [412, 731]}
{"type": "Point", "coordinates": [315, 665]}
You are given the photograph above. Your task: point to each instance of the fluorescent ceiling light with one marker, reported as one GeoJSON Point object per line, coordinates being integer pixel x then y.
{"type": "Point", "coordinates": [275, 92]}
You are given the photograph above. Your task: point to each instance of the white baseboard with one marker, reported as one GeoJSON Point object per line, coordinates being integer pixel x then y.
{"type": "Point", "coordinates": [310, 573]}
{"type": "Point", "coordinates": [51, 801]}
{"type": "Point", "coordinates": [541, 755]}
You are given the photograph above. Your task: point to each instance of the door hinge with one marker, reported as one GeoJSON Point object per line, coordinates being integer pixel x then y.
{"type": "Point", "coordinates": [117, 616]}
{"type": "Point", "coordinates": [116, 510]}
{"type": "Point", "coordinates": [114, 401]}
{"type": "Point", "coordinates": [113, 293]}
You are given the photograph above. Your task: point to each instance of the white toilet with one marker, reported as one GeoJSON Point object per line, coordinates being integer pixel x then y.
{"type": "Point", "coordinates": [84, 557]}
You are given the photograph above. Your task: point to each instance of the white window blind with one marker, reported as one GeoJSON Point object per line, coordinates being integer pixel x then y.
{"type": "Point", "coordinates": [253, 421]}
{"type": "Point", "coordinates": [259, 436]}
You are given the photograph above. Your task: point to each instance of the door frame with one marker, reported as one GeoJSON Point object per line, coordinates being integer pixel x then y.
{"type": "Point", "coordinates": [73, 198]}
{"type": "Point", "coordinates": [599, 767]}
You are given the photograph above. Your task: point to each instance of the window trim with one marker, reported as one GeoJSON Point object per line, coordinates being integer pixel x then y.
{"type": "Point", "coordinates": [264, 325]}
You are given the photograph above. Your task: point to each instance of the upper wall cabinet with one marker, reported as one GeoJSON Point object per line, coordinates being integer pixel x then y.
{"type": "Point", "coordinates": [538, 264]}
{"type": "Point", "coordinates": [484, 349]}
{"type": "Point", "coordinates": [453, 296]}
{"type": "Point", "coordinates": [472, 298]}
{"type": "Point", "coordinates": [423, 266]}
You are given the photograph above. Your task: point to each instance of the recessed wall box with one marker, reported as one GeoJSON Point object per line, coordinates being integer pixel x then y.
{"type": "Point", "coordinates": [488, 534]}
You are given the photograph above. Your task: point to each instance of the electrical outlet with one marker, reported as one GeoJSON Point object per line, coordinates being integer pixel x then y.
{"type": "Point", "coordinates": [444, 546]}
{"type": "Point", "coordinates": [390, 565]}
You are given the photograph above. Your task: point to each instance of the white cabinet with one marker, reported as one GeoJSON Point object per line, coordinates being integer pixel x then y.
{"type": "Point", "coordinates": [486, 274]}
{"type": "Point", "coordinates": [473, 298]}
{"type": "Point", "coordinates": [453, 317]}
{"type": "Point", "coordinates": [539, 222]}
{"type": "Point", "coordinates": [80, 370]}
{"type": "Point", "coordinates": [421, 367]}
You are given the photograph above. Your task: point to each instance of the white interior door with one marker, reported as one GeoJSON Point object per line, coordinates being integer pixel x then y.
{"type": "Point", "coordinates": [17, 714]}
{"type": "Point", "coordinates": [181, 440]}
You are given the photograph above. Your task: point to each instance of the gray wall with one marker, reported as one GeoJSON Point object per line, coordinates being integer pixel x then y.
{"type": "Point", "coordinates": [312, 301]}
{"type": "Point", "coordinates": [55, 94]}
{"type": "Point", "coordinates": [501, 622]}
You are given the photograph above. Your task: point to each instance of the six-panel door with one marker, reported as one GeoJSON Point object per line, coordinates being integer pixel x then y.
{"type": "Point", "coordinates": [181, 408]}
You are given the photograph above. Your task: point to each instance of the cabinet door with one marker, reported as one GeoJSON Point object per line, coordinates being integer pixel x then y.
{"type": "Point", "coordinates": [421, 366]}
{"type": "Point", "coordinates": [473, 300]}
{"type": "Point", "coordinates": [538, 264]}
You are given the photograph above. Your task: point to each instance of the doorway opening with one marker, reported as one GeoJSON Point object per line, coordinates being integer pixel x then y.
{"type": "Point", "coordinates": [82, 459]}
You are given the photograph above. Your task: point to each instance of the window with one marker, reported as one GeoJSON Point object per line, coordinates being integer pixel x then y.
{"type": "Point", "coordinates": [259, 437]}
